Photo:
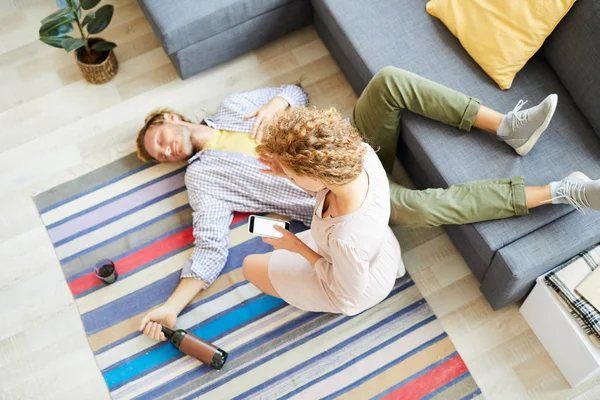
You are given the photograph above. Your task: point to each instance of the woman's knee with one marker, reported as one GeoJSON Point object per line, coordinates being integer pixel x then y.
{"type": "Point", "coordinates": [248, 266]}
{"type": "Point", "coordinates": [253, 265]}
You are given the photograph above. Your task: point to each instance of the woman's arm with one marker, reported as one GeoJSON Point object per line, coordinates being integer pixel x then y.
{"type": "Point", "coordinates": [347, 273]}
{"type": "Point", "coordinates": [290, 242]}
{"type": "Point", "coordinates": [311, 256]}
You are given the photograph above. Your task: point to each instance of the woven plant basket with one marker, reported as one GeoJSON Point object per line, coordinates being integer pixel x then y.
{"type": "Point", "coordinates": [98, 73]}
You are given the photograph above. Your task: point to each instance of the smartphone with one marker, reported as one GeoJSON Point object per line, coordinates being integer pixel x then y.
{"type": "Point", "coordinates": [263, 226]}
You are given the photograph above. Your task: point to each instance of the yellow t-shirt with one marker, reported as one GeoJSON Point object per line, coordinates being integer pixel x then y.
{"type": "Point", "coordinates": [239, 142]}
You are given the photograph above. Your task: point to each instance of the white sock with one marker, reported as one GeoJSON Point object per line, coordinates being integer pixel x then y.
{"type": "Point", "coordinates": [503, 128]}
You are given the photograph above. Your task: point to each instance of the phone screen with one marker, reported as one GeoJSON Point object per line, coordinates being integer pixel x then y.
{"type": "Point", "coordinates": [264, 226]}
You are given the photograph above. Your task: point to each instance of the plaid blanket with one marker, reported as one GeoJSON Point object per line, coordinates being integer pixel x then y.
{"type": "Point", "coordinates": [565, 278]}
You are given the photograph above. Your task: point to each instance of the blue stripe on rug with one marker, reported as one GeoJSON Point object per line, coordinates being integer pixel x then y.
{"type": "Point", "coordinates": [202, 368]}
{"type": "Point", "coordinates": [123, 234]}
{"type": "Point", "coordinates": [352, 362]}
{"type": "Point", "coordinates": [475, 393]}
{"type": "Point", "coordinates": [118, 217]}
{"type": "Point", "coordinates": [93, 189]}
{"type": "Point", "coordinates": [287, 348]}
{"type": "Point", "coordinates": [159, 291]}
{"type": "Point", "coordinates": [413, 307]}
{"type": "Point", "coordinates": [135, 367]}
{"type": "Point", "coordinates": [130, 305]}
{"type": "Point", "coordinates": [236, 353]}
{"type": "Point", "coordinates": [183, 312]}
{"type": "Point", "coordinates": [113, 199]}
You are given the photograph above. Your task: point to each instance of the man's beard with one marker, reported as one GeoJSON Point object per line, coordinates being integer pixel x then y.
{"type": "Point", "coordinates": [186, 144]}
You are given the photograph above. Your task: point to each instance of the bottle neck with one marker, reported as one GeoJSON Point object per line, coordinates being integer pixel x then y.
{"type": "Point", "coordinates": [174, 337]}
{"type": "Point", "coordinates": [168, 332]}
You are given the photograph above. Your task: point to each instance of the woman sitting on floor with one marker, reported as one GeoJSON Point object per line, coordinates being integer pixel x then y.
{"type": "Point", "coordinates": [349, 259]}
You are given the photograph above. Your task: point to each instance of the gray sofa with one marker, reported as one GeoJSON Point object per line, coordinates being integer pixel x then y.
{"type": "Point", "coordinates": [197, 35]}
{"type": "Point", "coordinates": [366, 35]}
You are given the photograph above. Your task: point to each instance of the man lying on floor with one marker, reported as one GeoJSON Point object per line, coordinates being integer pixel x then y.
{"type": "Point", "coordinates": [222, 178]}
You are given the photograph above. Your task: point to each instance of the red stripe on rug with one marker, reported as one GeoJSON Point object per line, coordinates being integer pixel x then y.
{"type": "Point", "coordinates": [144, 256]}
{"type": "Point", "coordinates": [135, 260]}
{"type": "Point", "coordinates": [432, 380]}
{"type": "Point", "coordinates": [239, 217]}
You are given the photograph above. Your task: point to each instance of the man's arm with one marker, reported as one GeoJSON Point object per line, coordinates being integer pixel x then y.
{"type": "Point", "coordinates": [294, 95]}
{"type": "Point", "coordinates": [187, 289]}
{"type": "Point", "coordinates": [211, 227]}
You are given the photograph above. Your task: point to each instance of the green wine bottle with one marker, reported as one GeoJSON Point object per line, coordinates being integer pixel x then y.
{"type": "Point", "coordinates": [193, 346]}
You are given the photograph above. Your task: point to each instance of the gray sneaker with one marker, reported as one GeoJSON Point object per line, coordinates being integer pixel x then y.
{"type": "Point", "coordinates": [521, 129]}
{"type": "Point", "coordinates": [578, 190]}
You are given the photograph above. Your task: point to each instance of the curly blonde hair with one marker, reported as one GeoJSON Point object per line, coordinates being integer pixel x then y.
{"type": "Point", "coordinates": [155, 118]}
{"type": "Point", "coordinates": [316, 143]}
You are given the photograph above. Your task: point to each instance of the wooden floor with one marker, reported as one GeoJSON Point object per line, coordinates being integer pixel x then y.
{"type": "Point", "coordinates": [55, 127]}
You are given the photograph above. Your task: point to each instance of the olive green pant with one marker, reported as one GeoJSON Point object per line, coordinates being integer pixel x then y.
{"type": "Point", "coordinates": [377, 116]}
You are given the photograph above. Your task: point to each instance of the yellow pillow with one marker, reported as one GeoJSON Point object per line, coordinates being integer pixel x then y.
{"type": "Point", "coordinates": [500, 35]}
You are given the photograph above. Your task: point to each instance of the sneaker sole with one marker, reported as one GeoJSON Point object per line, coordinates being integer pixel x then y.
{"type": "Point", "coordinates": [526, 148]}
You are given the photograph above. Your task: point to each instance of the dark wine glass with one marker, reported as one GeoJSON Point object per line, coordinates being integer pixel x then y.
{"type": "Point", "coordinates": [105, 270]}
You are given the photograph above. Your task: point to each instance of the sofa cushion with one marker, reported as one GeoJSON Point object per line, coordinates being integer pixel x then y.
{"type": "Point", "coordinates": [573, 50]}
{"type": "Point", "coordinates": [242, 38]}
{"type": "Point", "coordinates": [500, 35]}
{"type": "Point", "coordinates": [179, 24]}
{"type": "Point", "coordinates": [376, 33]}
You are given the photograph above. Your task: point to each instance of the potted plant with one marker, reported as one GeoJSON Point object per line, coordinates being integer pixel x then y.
{"type": "Point", "coordinates": [94, 56]}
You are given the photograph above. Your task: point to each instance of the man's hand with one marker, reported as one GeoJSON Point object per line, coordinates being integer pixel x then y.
{"type": "Point", "coordinates": [151, 323]}
{"type": "Point", "coordinates": [264, 114]}
{"type": "Point", "coordinates": [167, 314]}
{"type": "Point", "coordinates": [274, 167]}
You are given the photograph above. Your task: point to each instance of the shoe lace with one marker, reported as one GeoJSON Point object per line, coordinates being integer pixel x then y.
{"type": "Point", "coordinates": [521, 117]}
{"type": "Point", "coordinates": [574, 193]}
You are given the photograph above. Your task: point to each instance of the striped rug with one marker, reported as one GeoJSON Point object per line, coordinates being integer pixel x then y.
{"type": "Point", "coordinates": [137, 215]}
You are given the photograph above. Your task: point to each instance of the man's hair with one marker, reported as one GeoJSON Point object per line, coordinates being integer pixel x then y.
{"type": "Point", "coordinates": [315, 143]}
{"type": "Point", "coordinates": [155, 118]}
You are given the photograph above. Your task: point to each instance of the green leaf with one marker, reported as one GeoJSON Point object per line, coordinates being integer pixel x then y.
{"type": "Point", "coordinates": [57, 27]}
{"type": "Point", "coordinates": [102, 19]}
{"type": "Point", "coordinates": [67, 4]}
{"type": "Point", "coordinates": [65, 29]}
{"type": "Point", "coordinates": [103, 46]}
{"type": "Point", "coordinates": [90, 16]}
{"type": "Point", "coordinates": [52, 41]}
{"type": "Point", "coordinates": [89, 4]}
{"type": "Point", "coordinates": [57, 14]}
{"type": "Point", "coordinates": [70, 44]}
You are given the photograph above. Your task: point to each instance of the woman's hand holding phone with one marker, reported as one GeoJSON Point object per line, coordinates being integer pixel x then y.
{"type": "Point", "coordinates": [288, 241]}
{"type": "Point", "coordinates": [291, 242]}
